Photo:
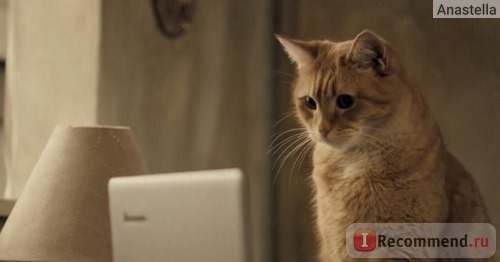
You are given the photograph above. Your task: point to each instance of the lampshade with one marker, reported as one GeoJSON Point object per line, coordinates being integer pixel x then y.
{"type": "Point", "coordinates": [62, 213]}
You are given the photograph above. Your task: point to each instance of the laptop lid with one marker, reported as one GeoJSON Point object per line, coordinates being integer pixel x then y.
{"type": "Point", "coordinates": [189, 216]}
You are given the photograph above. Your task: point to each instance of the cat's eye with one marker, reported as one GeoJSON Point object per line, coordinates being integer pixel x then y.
{"type": "Point", "coordinates": [345, 101]}
{"type": "Point", "coordinates": [310, 103]}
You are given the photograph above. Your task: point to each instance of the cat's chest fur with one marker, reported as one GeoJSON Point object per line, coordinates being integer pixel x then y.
{"type": "Point", "coordinates": [369, 190]}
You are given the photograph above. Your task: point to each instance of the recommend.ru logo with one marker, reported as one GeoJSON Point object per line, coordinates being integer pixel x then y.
{"type": "Point", "coordinates": [365, 240]}
{"type": "Point", "coordinates": [421, 240]}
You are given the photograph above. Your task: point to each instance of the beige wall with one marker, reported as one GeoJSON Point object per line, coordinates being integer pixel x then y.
{"type": "Point", "coordinates": [3, 49]}
{"type": "Point", "coordinates": [3, 28]}
{"type": "Point", "coordinates": [198, 102]}
{"type": "Point", "coordinates": [51, 77]}
{"type": "Point", "coordinates": [455, 63]}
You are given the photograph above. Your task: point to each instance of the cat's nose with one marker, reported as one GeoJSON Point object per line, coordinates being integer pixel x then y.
{"type": "Point", "coordinates": [324, 128]}
{"type": "Point", "coordinates": [324, 131]}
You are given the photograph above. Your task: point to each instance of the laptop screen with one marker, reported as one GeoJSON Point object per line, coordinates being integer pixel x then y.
{"type": "Point", "coordinates": [191, 216]}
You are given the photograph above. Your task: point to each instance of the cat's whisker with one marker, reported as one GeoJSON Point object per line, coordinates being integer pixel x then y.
{"type": "Point", "coordinates": [294, 150]}
{"type": "Point", "coordinates": [286, 149]}
{"type": "Point", "coordinates": [277, 160]}
{"type": "Point", "coordinates": [290, 130]}
{"type": "Point", "coordinates": [283, 118]}
{"type": "Point", "coordinates": [276, 148]}
{"type": "Point", "coordinates": [286, 83]}
{"type": "Point", "coordinates": [307, 154]}
{"type": "Point", "coordinates": [275, 140]}
{"type": "Point", "coordinates": [303, 154]}
{"type": "Point", "coordinates": [300, 152]}
{"type": "Point", "coordinates": [290, 148]}
{"type": "Point", "coordinates": [283, 73]}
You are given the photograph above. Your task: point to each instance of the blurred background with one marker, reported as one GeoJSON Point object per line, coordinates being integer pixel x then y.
{"type": "Point", "coordinates": [203, 84]}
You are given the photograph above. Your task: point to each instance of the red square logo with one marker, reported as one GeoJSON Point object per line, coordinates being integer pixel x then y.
{"type": "Point", "coordinates": [365, 240]}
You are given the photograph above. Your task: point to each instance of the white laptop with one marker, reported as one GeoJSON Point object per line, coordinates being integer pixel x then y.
{"type": "Point", "coordinates": [180, 217]}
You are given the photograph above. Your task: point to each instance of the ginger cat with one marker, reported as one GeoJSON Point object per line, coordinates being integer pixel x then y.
{"type": "Point", "coordinates": [379, 155]}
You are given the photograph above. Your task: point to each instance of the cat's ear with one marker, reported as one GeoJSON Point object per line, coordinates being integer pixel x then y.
{"type": "Point", "coordinates": [370, 50]}
{"type": "Point", "coordinates": [300, 52]}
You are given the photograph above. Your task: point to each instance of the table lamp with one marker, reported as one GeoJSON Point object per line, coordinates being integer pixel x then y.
{"type": "Point", "coordinates": [62, 213]}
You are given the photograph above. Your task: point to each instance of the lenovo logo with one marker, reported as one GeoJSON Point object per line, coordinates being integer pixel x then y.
{"type": "Point", "coordinates": [133, 218]}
